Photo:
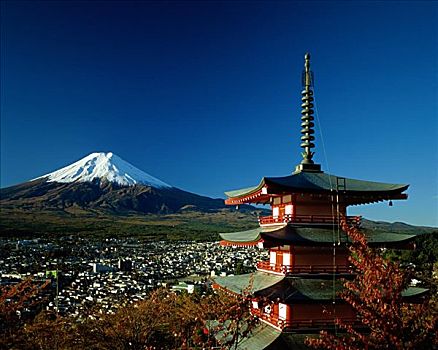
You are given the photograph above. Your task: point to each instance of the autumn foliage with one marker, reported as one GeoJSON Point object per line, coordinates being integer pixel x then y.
{"type": "Point", "coordinates": [388, 320]}
{"type": "Point", "coordinates": [164, 320]}
{"type": "Point", "coordinates": [19, 304]}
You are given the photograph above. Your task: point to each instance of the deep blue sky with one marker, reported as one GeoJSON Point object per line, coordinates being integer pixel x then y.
{"type": "Point", "coordinates": [206, 96]}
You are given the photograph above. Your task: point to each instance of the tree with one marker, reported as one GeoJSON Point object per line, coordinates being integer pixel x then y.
{"type": "Point", "coordinates": [49, 331]}
{"type": "Point", "coordinates": [164, 320]}
{"type": "Point", "coordinates": [424, 258]}
{"type": "Point", "coordinates": [376, 296]}
{"type": "Point", "coordinates": [19, 303]}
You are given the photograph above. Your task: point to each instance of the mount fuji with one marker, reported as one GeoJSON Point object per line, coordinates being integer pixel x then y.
{"type": "Point", "coordinates": [103, 167]}
{"type": "Point", "coordinates": [104, 182]}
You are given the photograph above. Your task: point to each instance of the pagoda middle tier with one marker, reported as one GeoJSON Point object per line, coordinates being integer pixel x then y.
{"type": "Point", "coordinates": [295, 250]}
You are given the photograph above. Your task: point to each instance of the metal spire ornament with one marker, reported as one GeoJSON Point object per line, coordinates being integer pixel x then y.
{"type": "Point", "coordinates": [307, 119]}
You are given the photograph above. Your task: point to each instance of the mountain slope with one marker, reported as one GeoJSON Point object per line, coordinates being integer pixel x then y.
{"type": "Point", "coordinates": [399, 227]}
{"type": "Point", "coordinates": [103, 195]}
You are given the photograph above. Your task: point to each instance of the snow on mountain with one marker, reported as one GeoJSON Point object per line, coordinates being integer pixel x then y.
{"type": "Point", "coordinates": [104, 166]}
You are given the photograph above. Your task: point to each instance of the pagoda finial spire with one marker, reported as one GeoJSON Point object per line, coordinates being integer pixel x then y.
{"type": "Point", "coordinates": [307, 124]}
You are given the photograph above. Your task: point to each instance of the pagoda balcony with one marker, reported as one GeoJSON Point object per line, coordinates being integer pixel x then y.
{"type": "Point", "coordinates": [267, 266]}
{"type": "Point", "coordinates": [308, 219]}
{"type": "Point", "coordinates": [277, 322]}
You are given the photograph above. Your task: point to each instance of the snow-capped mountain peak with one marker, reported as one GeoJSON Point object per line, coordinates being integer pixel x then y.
{"type": "Point", "coordinates": [104, 166]}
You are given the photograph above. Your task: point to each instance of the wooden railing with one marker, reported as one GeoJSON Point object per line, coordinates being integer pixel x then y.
{"type": "Point", "coordinates": [319, 323]}
{"type": "Point", "coordinates": [307, 219]}
{"type": "Point", "coordinates": [289, 269]}
{"type": "Point", "coordinates": [301, 323]}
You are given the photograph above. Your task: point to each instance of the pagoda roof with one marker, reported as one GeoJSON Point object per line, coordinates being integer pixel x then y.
{"type": "Point", "coordinates": [245, 238]}
{"type": "Point", "coordinates": [312, 182]}
{"type": "Point", "coordinates": [311, 236]}
{"type": "Point", "coordinates": [251, 282]}
{"type": "Point", "coordinates": [300, 290]}
{"type": "Point", "coordinates": [259, 338]}
{"type": "Point", "coordinates": [290, 290]}
{"type": "Point", "coordinates": [414, 292]}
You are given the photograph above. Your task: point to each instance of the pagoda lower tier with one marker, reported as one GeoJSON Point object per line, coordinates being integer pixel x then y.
{"type": "Point", "coordinates": [297, 289]}
{"type": "Point", "coordinates": [288, 304]}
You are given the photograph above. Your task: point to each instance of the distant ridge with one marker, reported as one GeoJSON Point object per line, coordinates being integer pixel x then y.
{"type": "Point", "coordinates": [399, 227]}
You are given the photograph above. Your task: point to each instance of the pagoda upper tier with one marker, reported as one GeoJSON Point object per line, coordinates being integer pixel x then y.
{"type": "Point", "coordinates": [309, 184]}
{"type": "Point", "coordinates": [304, 185]}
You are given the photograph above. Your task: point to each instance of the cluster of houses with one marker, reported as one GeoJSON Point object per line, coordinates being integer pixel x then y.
{"type": "Point", "coordinates": [88, 274]}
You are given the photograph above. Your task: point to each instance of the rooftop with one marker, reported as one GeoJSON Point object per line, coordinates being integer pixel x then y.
{"type": "Point", "coordinates": [358, 191]}
{"type": "Point", "coordinates": [312, 236]}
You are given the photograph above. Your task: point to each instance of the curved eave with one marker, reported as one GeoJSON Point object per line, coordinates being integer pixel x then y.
{"type": "Point", "coordinates": [302, 290]}
{"type": "Point", "coordinates": [241, 238]}
{"type": "Point", "coordinates": [226, 243]}
{"type": "Point", "coordinates": [260, 337]}
{"type": "Point", "coordinates": [414, 294]}
{"type": "Point", "coordinates": [368, 198]}
{"type": "Point", "coordinates": [390, 240]}
{"type": "Point", "coordinates": [302, 236]}
{"type": "Point", "coordinates": [349, 196]}
{"type": "Point", "coordinates": [322, 182]}
{"type": "Point", "coordinates": [248, 195]}
{"type": "Point", "coordinates": [354, 191]}
{"type": "Point", "coordinates": [314, 236]}
{"type": "Point", "coordinates": [244, 191]}
{"type": "Point", "coordinates": [245, 238]}
{"type": "Point", "coordinates": [250, 282]}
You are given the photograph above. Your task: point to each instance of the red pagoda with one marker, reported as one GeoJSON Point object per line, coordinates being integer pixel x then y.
{"type": "Point", "coordinates": [308, 251]}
